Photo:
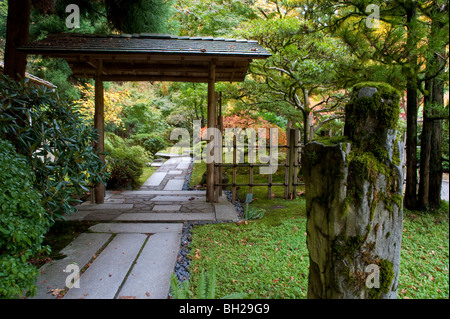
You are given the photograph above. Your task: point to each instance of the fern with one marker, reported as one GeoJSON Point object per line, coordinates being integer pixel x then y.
{"type": "Point", "coordinates": [179, 290]}
{"type": "Point", "coordinates": [206, 288]}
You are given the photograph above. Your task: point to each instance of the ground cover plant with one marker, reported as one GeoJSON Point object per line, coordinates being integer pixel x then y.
{"type": "Point", "coordinates": [268, 258]}
{"type": "Point", "coordinates": [264, 258]}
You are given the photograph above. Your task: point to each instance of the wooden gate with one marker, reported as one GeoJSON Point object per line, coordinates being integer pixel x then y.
{"type": "Point", "coordinates": [291, 167]}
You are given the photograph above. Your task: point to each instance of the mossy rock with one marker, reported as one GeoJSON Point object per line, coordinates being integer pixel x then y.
{"type": "Point", "coordinates": [371, 116]}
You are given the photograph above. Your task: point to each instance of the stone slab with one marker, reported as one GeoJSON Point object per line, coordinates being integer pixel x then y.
{"type": "Point", "coordinates": [183, 165]}
{"type": "Point", "coordinates": [162, 192]}
{"type": "Point", "coordinates": [155, 179]}
{"type": "Point", "coordinates": [165, 217]}
{"type": "Point", "coordinates": [105, 206]}
{"type": "Point", "coordinates": [150, 276]}
{"type": "Point", "coordinates": [106, 274]}
{"type": "Point", "coordinates": [156, 164]}
{"type": "Point", "coordinates": [166, 207]}
{"type": "Point", "coordinates": [175, 172]}
{"type": "Point", "coordinates": [114, 201]}
{"type": "Point", "coordinates": [174, 185]}
{"type": "Point", "coordinates": [78, 216]}
{"type": "Point", "coordinates": [79, 251]}
{"type": "Point", "coordinates": [162, 198]}
{"type": "Point", "coordinates": [225, 212]}
{"type": "Point", "coordinates": [139, 228]}
{"type": "Point", "coordinates": [102, 215]}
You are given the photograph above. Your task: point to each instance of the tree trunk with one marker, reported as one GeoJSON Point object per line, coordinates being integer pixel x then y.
{"type": "Point", "coordinates": [425, 151]}
{"type": "Point", "coordinates": [411, 116]}
{"type": "Point", "coordinates": [431, 143]}
{"type": "Point", "coordinates": [18, 24]}
{"type": "Point", "coordinates": [434, 195]}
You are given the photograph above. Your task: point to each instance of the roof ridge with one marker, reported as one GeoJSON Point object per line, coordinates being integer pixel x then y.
{"type": "Point", "coordinates": [154, 36]}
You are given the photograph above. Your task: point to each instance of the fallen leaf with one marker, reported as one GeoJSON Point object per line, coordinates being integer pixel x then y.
{"type": "Point", "coordinates": [127, 297]}
{"type": "Point", "coordinates": [56, 291]}
{"type": "Point", "coordinates": [147, 294]}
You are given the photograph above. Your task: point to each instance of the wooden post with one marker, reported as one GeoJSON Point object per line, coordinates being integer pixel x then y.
{"type": "Point", "coordinates": [221, 128]}
{"type": "Point", "coordinates": [99, 123]}
{"type": "Point", "coordinates": [17, 30]}
{"type": "Point", "coordinates": [296, 161]}
{"type": "Point", "coordinates": [286, 168]}
{"type": "Point", "coordinates": [233, 190]}
{"type": "Point", "coordinates": [211, 124]}
{"type": "Point", "coordinates": [291, 163]}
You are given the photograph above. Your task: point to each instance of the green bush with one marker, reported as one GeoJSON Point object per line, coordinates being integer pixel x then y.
{"type": "Point", "coordinates": [56, 141]}
{"type": "Point", "coordinates": [153, 143]}
{"type": "Point", "coordinates": [23, 223]}
{"type": "Point", "coordinates": [125, 163]}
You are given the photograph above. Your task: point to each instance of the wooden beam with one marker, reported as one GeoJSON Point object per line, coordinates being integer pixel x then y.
{"type": "Point", "coordinates": [211, 124]}
{"type": "Point", "coordinates": [99, 124]}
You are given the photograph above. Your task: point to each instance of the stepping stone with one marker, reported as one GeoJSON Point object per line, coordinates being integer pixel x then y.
{"type": "Point", "coordinates": [114, 200]}
{"type": "Point", "coordinates": [166, 207]}
{"type": "Point", "coordinates": [117, 228]}
{"type": "Point", "coordinates": [225, 212]}
{"type": "Point", "coordinates": [102, 215]}
{"type": "Point", "coordinates": [163, 192]}
{"type": "Point", "coordinates": [155, 179]}
{"type": "Point", "coordinates": [106, 274]}
{"type": "Point", "coordinates": [175, 172]}
{"type": "Point", "coordinates": [80, 251]}
{"type": "Point", "coordinates": [174, 185]}
{"type": "Point", "coordinates": [156, 164]}
{"type": "Point", "coordinates": [162, 198]}
{"type": "Point", "coordinates": [183, 165]}
{"type": "Point", "coordinates": [106, 206]}
{"type": "Point", "coordinates": [150, 276]}
{"type": "Point", "coordinates": [165, 217]}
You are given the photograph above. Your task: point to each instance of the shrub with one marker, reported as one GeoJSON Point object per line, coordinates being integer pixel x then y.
{"type": "Point", "coordinates": [23, 223]}
{"type": "Point", "coordinates": [124, 163]}
{"type": "Point", "coordinates": [153, 143]}
{"type": "Point", "coordinates": [56, 141]}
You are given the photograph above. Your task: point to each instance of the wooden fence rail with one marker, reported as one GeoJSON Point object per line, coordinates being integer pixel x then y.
{"type": "Point", "coordinates": [292, 164]}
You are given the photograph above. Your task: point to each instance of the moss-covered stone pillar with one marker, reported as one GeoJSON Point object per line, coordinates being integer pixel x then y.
{"type": "Point", "coordinates": [354, 200]}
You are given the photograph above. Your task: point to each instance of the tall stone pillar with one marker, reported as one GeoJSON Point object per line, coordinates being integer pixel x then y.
{"type": "Point", "coordinates": [354, 200]}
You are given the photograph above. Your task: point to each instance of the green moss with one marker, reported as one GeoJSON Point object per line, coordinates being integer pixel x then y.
{"type": "Point", "coordinates": [396, 155]}
{"type": "Point", "coordinates": [386, 278]}
{"type": "Point", "coordinates": [383, 106]}
{"type": "Point", "coordinates": [331, 141]}
{"type": "Point", "coordinates": [346, 205]}
{"type": "Point", "coordinates": [366, 166]}
{"type": "Point", "coordinates": [312, 156]}
{"type": "Point", "coordinates": [346, 248]}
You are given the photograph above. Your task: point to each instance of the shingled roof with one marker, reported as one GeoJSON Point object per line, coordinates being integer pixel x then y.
{"type": "Point", "coordinates": [151, 56]}
{"type": "Point", "coordinates": [33, 79]}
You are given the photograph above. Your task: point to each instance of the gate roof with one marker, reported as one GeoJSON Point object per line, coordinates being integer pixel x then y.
{"type": "Point", "coordinates": [151, 57]}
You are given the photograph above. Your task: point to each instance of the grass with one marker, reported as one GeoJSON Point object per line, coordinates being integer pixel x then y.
{"type": "Point", "coordinates": [265, 258]}
{"type": "Point", "coordinates": [148, 171]}
{"type": "Point", "coordinates": [425, 255]}
{"type": "Point", "coordinates": [268, 258]}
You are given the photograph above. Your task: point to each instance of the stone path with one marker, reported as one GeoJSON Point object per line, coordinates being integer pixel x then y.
{"type": "Point", "coordinates": [132, 252]}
